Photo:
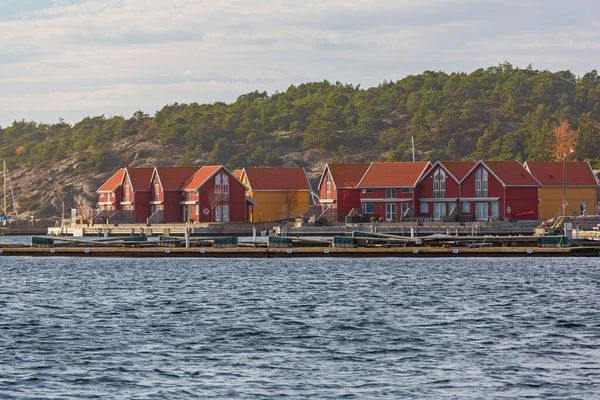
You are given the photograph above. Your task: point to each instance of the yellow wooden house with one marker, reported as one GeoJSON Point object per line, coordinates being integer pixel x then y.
{"type": "Point", "coordinates": [279, 193]}
{"type": "Point", "coordinates": [580, 186]}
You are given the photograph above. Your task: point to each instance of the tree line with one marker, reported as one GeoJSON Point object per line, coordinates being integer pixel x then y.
{"type": "Point", "coordinates": [500, 112]}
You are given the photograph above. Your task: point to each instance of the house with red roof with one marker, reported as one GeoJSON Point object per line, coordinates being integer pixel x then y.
{"type": "Point", "coordinates": [579, 186]}
{"type": "Point", "coordinates": [166, 193]}
{"type": "Point", "coordinates": [387, 189]}
{"type": "Point", "coordinates": [214, 194]}
{"type": "Point", "coordinates": [338, 189]}
{"type": "Point", "coordinates": [135, 196]}
{"type": "Point", "coordinates": [437, 192]}
{"type": "Point", "coordinates": [279, 193]}
{"type": "Point", "coordinates": [493, 190]}
{"type": "Point", "coordinates": [125, 196]}
{"type": "Point", "coordinates": [109, 194]}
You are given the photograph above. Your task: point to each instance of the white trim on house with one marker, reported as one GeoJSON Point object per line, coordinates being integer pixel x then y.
{"type": "Point", "coordinates": [439, 200]}
{"type": "Point", "coordinates": [395, 200]}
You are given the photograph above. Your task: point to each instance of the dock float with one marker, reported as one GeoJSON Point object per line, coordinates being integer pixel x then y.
{"type": "Point", "coordinates": [279, 252]}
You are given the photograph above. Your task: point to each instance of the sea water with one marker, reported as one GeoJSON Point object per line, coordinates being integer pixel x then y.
{"type": "Point", "coordinates": [299, 328]}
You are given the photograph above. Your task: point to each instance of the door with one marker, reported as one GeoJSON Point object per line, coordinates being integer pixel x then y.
{"type": "Point", "coordinates": [390, 211]}
{"type": "Point", "coordinates": [439, 210]}
{"type": "Point", "coordinates": [225, 212]}
{"type": "Point", "coordinates": [482, 211]}
{"type": "Point", "coordinates": [495, 211]}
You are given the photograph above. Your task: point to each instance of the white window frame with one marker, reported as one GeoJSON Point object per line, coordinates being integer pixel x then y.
{"type": "Point", "coordinates": [365, 208]}
{"type": "Point", "coordinates": [225, 187]}
{"type": "Point", "coordinates": [390, 193]}
{"type": "Point", "coordinates": [424, 208]}
{"type": "Point", "coordinates": [466, 207]}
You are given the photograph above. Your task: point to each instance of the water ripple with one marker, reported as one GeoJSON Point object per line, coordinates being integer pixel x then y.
{"type": "Point", "coordinates": [310, 328]}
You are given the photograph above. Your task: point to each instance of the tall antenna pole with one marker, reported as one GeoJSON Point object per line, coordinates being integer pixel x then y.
{"type": "Point", "coordinates": [412, 139]}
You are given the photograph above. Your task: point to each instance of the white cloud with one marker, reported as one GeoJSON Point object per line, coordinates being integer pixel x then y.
{"type": "Point", "coordinates": [99, 57]}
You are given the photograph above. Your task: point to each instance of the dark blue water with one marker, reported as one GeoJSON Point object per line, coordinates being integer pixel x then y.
{"type": "Point", "coordinates": [298, 328]}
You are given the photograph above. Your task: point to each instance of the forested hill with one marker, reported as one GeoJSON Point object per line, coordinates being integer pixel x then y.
{"type": "Point", "coordinates": [499, 112]}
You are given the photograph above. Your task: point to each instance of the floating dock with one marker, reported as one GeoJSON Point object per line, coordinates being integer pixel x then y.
{"type": "Point", "coordinates": [321, 252]}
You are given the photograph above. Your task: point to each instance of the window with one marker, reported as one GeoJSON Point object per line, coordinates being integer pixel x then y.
{"type": "Point", "coordinates": [156, 192]}
{"type": "Point", "coordinates": [439, 184]}
{"type": "Point", "coordinates": [390, 193]}
{"type": "Point", "coordinates": [225, 186]}
{"type": "Point", "coordinates": [328, 186]}
{"type": "Point", "coordinates": [466, 207]}
{"type": "Point", "coordinates": [390, 211]}
{"type": "Point", "coordinates": [481, 183]}
{"type": "Point", "coordinates": [219, 213]}
{"type": "Point", "coordinates": [424, 208]}
{"type": "Point", "coordinates": [406, 190]}
{"type": "Point", "coordinates": [197, 209]}
{"type": "Point", "coordinates": [218, 187]}
{"type": "Point", "coordinates": [127, 195]}
{"type": "Point", "coordinates": [369, 191]}
{"type": "Point", "coordinates": [367, 208]}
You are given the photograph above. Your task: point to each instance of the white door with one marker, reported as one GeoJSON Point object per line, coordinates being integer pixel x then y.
{"type": "Point", "coordinates": [495, 211]}
{"type": "Point", "coordinates": [439, 210]}
{"type": "Point", "coordinates": [482, 211]}
{"type": "Point", "coordinates": [390, 211]}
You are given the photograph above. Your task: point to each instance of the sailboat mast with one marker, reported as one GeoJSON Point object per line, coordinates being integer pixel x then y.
{"type": "Point", "coordinates": [5, 209]}
{"type": "Point", "coordinates": [412, 139]}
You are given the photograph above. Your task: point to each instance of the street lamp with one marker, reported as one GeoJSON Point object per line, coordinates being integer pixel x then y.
{"type": "Point", "coordinates": [564, 203]}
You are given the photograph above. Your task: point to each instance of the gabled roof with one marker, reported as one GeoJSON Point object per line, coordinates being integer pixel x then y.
{"type": "Point", "coordinates": [459, 169]}
{"type": "Point", "coordinates": [394, 174]}
{"type": "Point", "coordinates": [345, 176]}
{"type": "Point", "coordinates": [172, 178]}
{"type": "Point", "coordinates": [113, 182]}
{"type": "Point", "coordinates": [201, 176]}
{"type": "Point", "coordinates": [510, 173]}
{"type": "Point", "coordinates": [456, 169]}
{"type": "Point", "coordinates": [276, 179]}
{"type": "Point", "coordinates": [140, 178]}
{"type": "Point", "coordinates": [552, 173]}
{"type": "Point", "coordinates": [238, 173]}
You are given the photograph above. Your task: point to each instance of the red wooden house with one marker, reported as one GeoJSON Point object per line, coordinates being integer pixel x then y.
{"type": "Point", "coordinates": [387, 188]}
{"type": "Point", "coordinates": [438, 191]}
{"type": "Point", "coordinates": [166, 193]}
{"type": "Point", "coordinates": [135, 196]}
{"type": "Point", "coordinates": [109, 194]}
{"type": "Point", "coordinates": [214, 194]}
{"type": "Point", "coordinates": [492, 190]}
{"type": "Point", "coordinates": [338, 189]}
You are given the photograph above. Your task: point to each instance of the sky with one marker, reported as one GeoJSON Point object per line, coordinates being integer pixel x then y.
{"type": "Point", "coordinates": [68, 59]}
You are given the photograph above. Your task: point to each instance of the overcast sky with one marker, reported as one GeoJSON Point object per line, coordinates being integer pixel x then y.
{"type": "Point", "coordinates": [73, 58]}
